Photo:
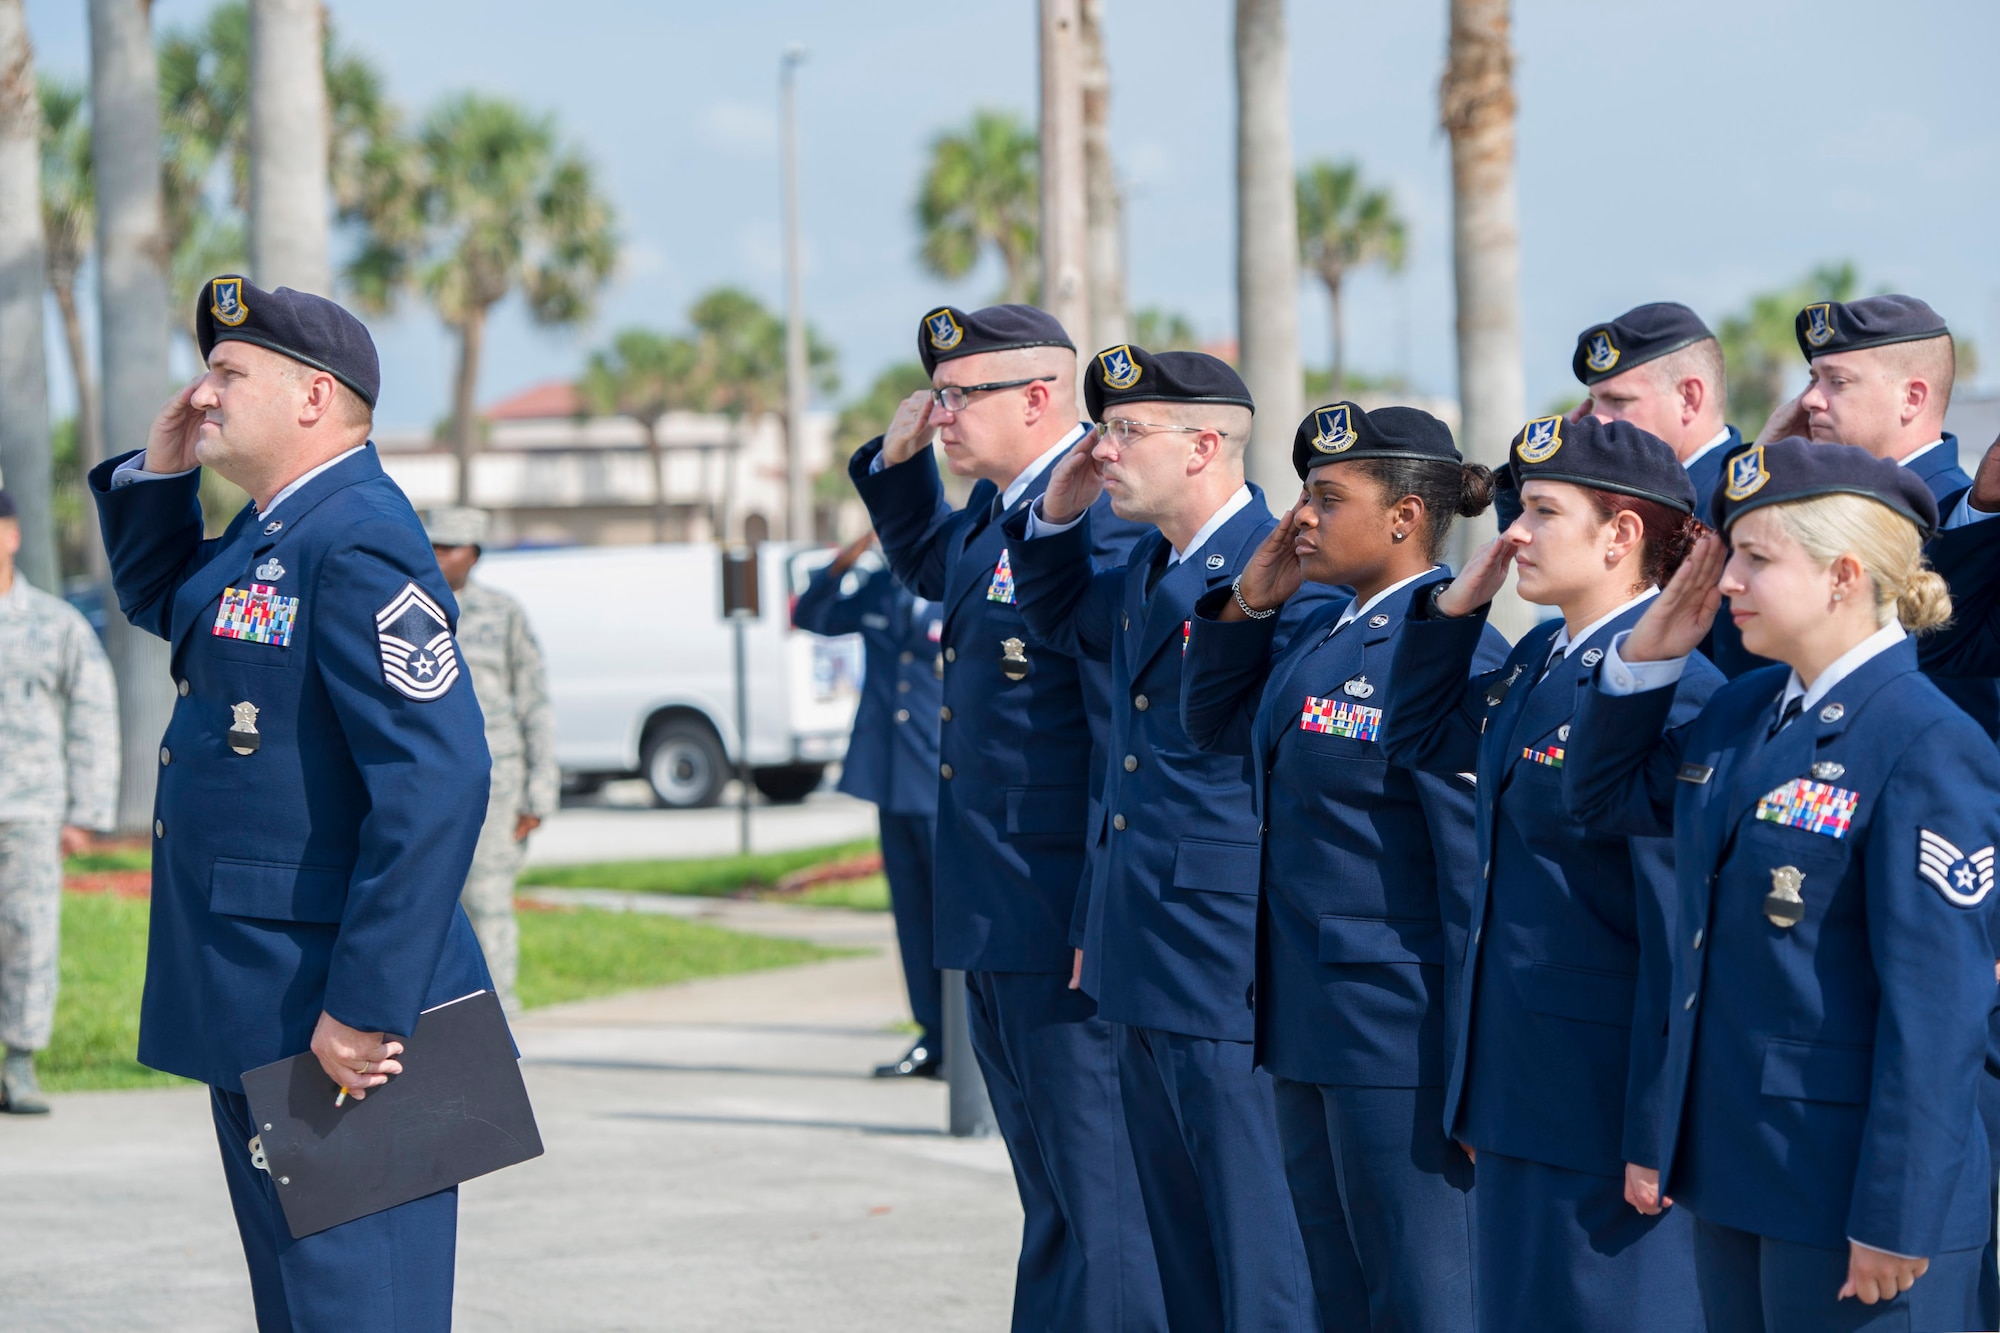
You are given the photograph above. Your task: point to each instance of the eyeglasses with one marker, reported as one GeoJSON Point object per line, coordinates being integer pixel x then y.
{"type": "Point", "coordinates": [1123, 430]}
{"type": "Point", "coordinates": [952, 396]}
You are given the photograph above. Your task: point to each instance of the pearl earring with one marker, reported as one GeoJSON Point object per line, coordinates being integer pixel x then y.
{"type": "Point", "coordinates": [1397, 536]}
{"type": "Point", "coordinates": [1837, 596]}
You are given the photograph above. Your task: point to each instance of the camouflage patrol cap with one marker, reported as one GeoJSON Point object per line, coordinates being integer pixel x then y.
{"type": "Point", "coordinates": [456, 525]}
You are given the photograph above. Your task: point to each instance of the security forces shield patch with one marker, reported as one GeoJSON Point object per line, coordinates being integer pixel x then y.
{"type": "Point", "coordinates": [1746, 474]}
{"type": "Point", "coordinates": [225, 302]}
{"type": "Point", "coordinates": [1963, 880]}
{"type": "Point", "coordinates": [1819, 324]}
{"type": "Point", "coordinates": [1333, 430]}
{"type": "Point", "coordinates": [944, 331]}
{"type": "Point", "coordinates": [419, 659]}
{"type": "Point", "coordinates": [1120, 371]}
{"type": "Point", "coordinates": [1540, 439]}
{"type": "Point", "coordinates": [1599, 353]}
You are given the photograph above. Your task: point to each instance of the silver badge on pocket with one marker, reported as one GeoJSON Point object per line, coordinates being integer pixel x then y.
{"type": "Point", "coordinates": [1784, 906]}
{"type": "Point", "coordinates": [1013, 659]}
{"type": "Point", "coordinates": [243, 737]}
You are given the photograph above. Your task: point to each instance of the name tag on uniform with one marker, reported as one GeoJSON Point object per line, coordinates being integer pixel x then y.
{"type": "Point", "coordinates": [1551, 757]}
{"type": "Point", "coordinates": [1338, 717]}
{"type": "Point", "coordinates": [1002, 587]}
{"type": "Point", "coordinates": [256, 614]}
{"type": "Point", "coordinates": [1698, 774]}
{"type": "Point", "coordinates": [1813, 806]}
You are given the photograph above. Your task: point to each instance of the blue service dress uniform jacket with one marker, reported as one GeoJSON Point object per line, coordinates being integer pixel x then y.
{"type": "Point", "coordinates": [322, 870]}
{"type": "Point", "coordinates": [1820, 1079]}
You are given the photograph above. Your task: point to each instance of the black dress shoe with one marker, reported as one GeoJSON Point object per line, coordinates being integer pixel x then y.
{"type": "Point", "coordinates": [921, 1061]}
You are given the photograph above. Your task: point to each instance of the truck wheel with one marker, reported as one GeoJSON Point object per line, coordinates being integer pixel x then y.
{"type": "Point", "coordinates": [789, 784]}
{"type": "Point", "coordinates": [684, 764]}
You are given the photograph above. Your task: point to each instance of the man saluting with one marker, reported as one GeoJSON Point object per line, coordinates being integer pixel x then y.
{"type": "Point", "coordinates": [321, 782]}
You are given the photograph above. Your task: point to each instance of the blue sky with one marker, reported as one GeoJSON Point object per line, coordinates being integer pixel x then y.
{"type": "Point", "coordinates": [1697, 151]}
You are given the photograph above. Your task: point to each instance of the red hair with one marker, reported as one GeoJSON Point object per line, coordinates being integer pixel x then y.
{"type": "Point", "coordinates": [1667, 535]}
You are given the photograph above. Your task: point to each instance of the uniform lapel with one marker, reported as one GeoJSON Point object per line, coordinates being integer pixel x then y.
{"type": "Point", "coordinates": [1215, 563]}
{"type": "Point", "coordinates": [979, 547]}
{"type": "Point", "coordinates": [221, 571]}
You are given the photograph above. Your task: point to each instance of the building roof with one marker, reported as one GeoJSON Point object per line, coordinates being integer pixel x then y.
{"type": "Point", "coordinates": [551, 400]}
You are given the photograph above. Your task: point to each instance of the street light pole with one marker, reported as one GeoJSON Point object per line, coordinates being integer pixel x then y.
{"type": "Point", "coordinates": [798, 514]}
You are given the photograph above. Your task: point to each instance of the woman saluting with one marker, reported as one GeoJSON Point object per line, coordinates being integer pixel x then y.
{"type": "Point", "coordinates": [1553, 1082]}
{"type": "Point", "coordinates": [1834, 820]}
{"type": "Point", "coordinates": [1367, 869]}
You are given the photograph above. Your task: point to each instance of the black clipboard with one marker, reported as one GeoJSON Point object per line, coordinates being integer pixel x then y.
{"type": "Point", "coordinates": [459, 1110]}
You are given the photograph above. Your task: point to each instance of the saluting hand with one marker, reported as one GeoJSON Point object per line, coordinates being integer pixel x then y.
{"type": "Point", "coordinates": [1480, 583]}
{"type": "Point", "coordinates": [1076, 483]}
{"type": "Point", "coordinates": [850, 553]}
{"type": "Point", "coordinates": [1583, 409]}
{"type": "Point", "coordinates": [1786, 419]}
{"type": "Point", "coordinates": [354, 1059]}
{"type": "Point", "coordinates": [1273, 573]}
{"type": "Point", "coordinates": [1986, 483]}
{"type": "Point", "coordinates": [1678, 620]}
{"type": "Point", "coordinates": [909, 430]}
{"type": "Point", "coordinates": [1873, 1275]}
{"type": "Point", "coordinates": [175, 432]}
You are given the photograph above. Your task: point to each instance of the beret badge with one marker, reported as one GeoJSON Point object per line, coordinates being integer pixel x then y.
{"type": "Point", "coordinates": [1540, 439]}
{"type": "Point", "coordinates": [1335, 430]}
{"type": "Point", "coordinates": [944, 330]}
{"type": "Point", "coordinates": [1600, 354]}
{"type": "Point", "coordinates": [1118, 367]}
{"type": "Point", "coordinates": [1819, 324]}
{"type": "Point", "coordinates": [1747, 474]}
{"type": "Point", "coordinates": [226, 302]}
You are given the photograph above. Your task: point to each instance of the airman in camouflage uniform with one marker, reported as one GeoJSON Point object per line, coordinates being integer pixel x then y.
{"type": "Point", "coordinates": [58, 780]}
{"type": "Point", "coordinates": [513, 691]}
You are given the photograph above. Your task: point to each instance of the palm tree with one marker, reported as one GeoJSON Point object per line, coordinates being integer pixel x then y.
{"type": "Point", "coordinates": [133, 322]}
{"type": "Point", "coordinates": [980, 191]}
{"type": "Point", "coordinates": [484, 203]}
{"type": "Point", "coordinates": [1760, 344]}
{"type": "Point", "coordinates": [24, 376]}
{"type": "Point", "coordinates": [644, 375]}
{"type": "Point", "coordinates": [289, 214]}
{"type": "Point", "coordinates": [69, 213]}
{"type": "Point", "coordinates": [1476, 104]}
{"type": "Point", "coordinates": [1343, 227]}
{"type": "Point", "coordinates": [1159, 330]}
{"type": "Point", "coordinates": [1105, 251]}
{"type": "Point", "coordinates": [1267, 240]}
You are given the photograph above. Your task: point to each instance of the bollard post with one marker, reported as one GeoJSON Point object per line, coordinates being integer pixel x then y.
{"type": "Point", "coordinates": [971, 1114]}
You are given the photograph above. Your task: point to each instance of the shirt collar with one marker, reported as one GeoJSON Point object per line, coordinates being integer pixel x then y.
{"type": "Point", "coordinates": [1230, 509]}
{"type": "Point", "coordinates": [1721, 438]}
{"type": "Point", "coordinates": [1564, 643]}
{"type": "Point", "coordinates": [299, 482]}
{"type": "Point", "coordinates": [1356, 610]}
{"type": "Point", "coordinates": [1843, 666]}
{"type": "Point", "coordinates": [1019, 486]}
{"type": "Point", "coordinates": [1915, 454]}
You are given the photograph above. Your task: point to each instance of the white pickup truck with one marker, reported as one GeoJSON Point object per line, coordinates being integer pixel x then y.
{"type": "Point", "coordinates": [642, 669]}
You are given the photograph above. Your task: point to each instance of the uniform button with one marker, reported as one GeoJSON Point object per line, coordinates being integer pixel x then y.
{"type": "Point", "coordinates": [944, 713]}
{"type": "Point", "coordinates": [902, 687]}
{"type": "Point", "coordinates": [166, 755]}
{"type": "Point", "coordinates": [1124, 620]}
{"type": "Point", "coordinates": [944, 771]}
{"type": "Point", "coordinates": [1260, 830]}
{"type": "Point", "coordinates": [902, 715]}
{"type": "Point", "coordinates": [951, 654]}
{"type": "Point", "coordinates": [1689, 1002]}
{"type": "Point", "coordinates": [1131, 763]}
{"type": "Point", "coordinates": [908, 657]}
{"type": "Point", "coordinates": [159, 829]}
{"type": "Point", "coordinates": [1142, 703]}
{"type": "Point", "coordinates": [1485, 870]}
{"type": "Point", "coordinates": [1697, 939]}
{"type": "Point", "coordinates": [1118, 822]}
{"type": "Point", "coordinates": [184, 689]}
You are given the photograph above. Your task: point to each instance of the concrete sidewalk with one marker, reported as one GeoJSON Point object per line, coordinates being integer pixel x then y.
{"type": "Point", "coordinates": [718, 1159]}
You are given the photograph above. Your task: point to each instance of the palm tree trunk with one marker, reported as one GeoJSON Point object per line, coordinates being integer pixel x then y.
{"type": "Point", "coordinates": [132, 306]}
{"type": "Point", "coordinates": [658, 457]}
{"type": "Point", "coordinates": [1065, 217]}
{"type": "Point", "coordinates": [289, 208]}
{"type": "Point", "coordinates": [1103, 204]}
{"type": "Point", "coordinates": [89, 427]}
{"type": "Point", "coordinates": [24, 372]}
{"type": "Point", "coordinates": [464, 422]}
{"type": "Point", "coordinates": [1337, 371]}
{"type": "Point", "coordinates": [1267, 242]}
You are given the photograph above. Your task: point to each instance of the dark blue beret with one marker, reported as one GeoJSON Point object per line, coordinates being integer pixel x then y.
{"type": "Point", "coordinates": [7, 509]}
{"type": "Point", "coordinates": [309, 329]}
{"type": "Point", "coordinates": [1643, 333]}
{"type": "Point", "coordinates": [1128, 374]}
{"type": "Point", "coordinates": [1340, 432]}
{"type": "Point", "coordinates": [1606, 455]}
{"type": "Point", "coordinates": [1797, 469]}
{"type": "Point", "coordinates": [1873, 321]}
{"type": "Point", "coordinates": [948, 333]}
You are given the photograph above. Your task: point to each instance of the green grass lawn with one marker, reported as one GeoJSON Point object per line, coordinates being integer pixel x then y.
{"type": "Point", "coordinates": [717, 877]}
{"type": "Point", "coordinates": [565, 955]}
{"type": "Point", "coordinates": [866, 895]}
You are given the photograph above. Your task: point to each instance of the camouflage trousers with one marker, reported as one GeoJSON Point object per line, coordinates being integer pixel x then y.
{"type": "Point", "coordinates": [30, 932]}
{"type": "Point", "coordinates": [488, 897]}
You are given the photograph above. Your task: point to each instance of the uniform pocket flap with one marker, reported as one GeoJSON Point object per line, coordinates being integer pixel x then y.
{"type": "Point", "coordinates": [277, 892]}
{"type": "Point", "coordinates": [1368, 939]}
{"type": "Point", "coordinates": [1218, 867]}
{"type": "Point", "coordinates": [1047, 810]}
{"type": "Point", "coordinates": [1581, 994]}
{"type": "Point", "coordinates": [1813, 1072]}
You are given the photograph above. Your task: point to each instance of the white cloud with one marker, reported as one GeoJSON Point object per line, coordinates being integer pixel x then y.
{"type": "Point", "coordinates": [745, 129]}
